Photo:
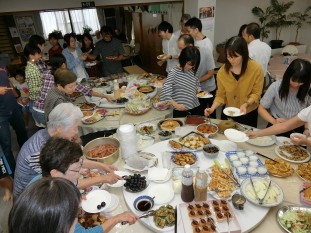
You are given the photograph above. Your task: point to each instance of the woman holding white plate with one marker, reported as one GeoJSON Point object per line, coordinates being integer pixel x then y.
{"type": "Point", "coordinates": [239, 83]}
{"type": "Point", "coordinates": [287, 97]}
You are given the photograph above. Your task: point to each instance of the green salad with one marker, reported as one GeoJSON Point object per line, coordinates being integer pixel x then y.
{"type": "Point", "coordinates": [297, 221]}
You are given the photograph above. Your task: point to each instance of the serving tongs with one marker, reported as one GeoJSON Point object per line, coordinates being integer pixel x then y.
{"type": "Point", "coordinates": [144, 215]}
{"type": "Point", "coordinates": [266, 157]}
{"type": "Point", "coordinates": [240, 125]}
{"type": "Point", "coordinates": [230, 177]}
{"type": "Point", "coordinates": [192, 132]}
{"type": "Point", "coordinates": [261, 199]}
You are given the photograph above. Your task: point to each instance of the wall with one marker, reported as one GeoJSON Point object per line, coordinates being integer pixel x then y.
{"type": "Point", "coordinates": [31, 5]}
{"type": "Point", "coordinates": [230, 15]}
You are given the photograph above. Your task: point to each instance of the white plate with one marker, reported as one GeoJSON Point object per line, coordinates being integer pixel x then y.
{"type": "Point", "coordinates": [280, 141]}
{"type": "Point", "coordinates": [142, 125]}
{"type": "Point", "coordinates": [277, 151]}
{"type": "Point", "coordinates": [165, 229]}
{"type": "Point", "coordinates": [168, 176]}
{"type": "Point", "coordinates": [225, 145]}
{"type": "Point", "coordinates": [235, 135]}
{"type": "Point", "coordinates": [206, 96]}
{"type": "Point", "coordinates": [246, 184]}
{"type": "Point", "coordinates": [144, 141]}
{"type": "Point", "coordinates": [262, 141]}
{"type": "Point", "coordinates": [235, 111]}
{"type": "Point", "coordinates": [163, 193]}
{"type": "Point", "coordinates": [114, 203]}
{"type": "Point", "coordinates": [95, 198]}
{"type": "Point", "coordinates": [120, 183]}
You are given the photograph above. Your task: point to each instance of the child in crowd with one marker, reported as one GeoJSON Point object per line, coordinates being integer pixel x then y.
{"type": "Point", "coordinates": [22, 87]}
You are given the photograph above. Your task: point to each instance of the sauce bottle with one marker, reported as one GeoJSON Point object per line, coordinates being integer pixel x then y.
{"type": "Point", "coordinates": [200, 187]}
{"type": "Point", "coordinates": [187, 192]}
{"type": "Point", "coordinates": [116, 88]}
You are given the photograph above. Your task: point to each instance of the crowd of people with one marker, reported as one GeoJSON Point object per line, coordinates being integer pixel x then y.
{"type": "Point", "coordinates": [48, 165]}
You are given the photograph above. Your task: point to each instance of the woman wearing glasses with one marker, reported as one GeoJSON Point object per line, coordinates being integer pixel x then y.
{"type": "Point", "coordinates": [239, 83]}
{"type": "Point", "coordinates": [63, 123]}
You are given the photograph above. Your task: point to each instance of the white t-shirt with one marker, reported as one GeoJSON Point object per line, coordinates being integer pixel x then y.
{"type": "Point", "coordinates": [305, 115]}
{"type": "Point", "coordinates": [207, 63]}
{"type": "Point", "coordinates": [79, 68]}
{"type": "Point", "coordinates": [260, 52]}
{"type": "Point", "coordinates": [170, 47]}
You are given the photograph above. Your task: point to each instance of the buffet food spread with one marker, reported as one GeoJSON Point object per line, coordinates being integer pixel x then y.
{"type": "Point", "coordinates": [240, 171]}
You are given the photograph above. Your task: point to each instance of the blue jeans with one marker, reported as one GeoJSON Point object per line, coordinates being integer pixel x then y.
{"type": "Point", "coordinates": [15, 119]}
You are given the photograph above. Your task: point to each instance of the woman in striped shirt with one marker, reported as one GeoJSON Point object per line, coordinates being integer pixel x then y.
{"type": "Point", "coordinates": [287, 97]}
{"type": "Point", "coordinates": [182, 84]}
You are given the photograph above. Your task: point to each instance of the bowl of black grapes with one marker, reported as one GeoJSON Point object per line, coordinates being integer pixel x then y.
{"type": "Point", "coordinates": [135, 183]}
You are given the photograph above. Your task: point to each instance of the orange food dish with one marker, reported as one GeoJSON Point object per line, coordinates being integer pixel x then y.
{"type": "Point", "coordinates": [207, 129]}
{"type": "Point", "coordinates": [102, 151]}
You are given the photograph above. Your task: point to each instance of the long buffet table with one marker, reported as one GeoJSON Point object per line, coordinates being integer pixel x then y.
{"type": "Point", "coordinates": [250, 222]}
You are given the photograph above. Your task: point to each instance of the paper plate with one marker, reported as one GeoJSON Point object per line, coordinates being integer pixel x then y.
{"type": "Point", "coordinates": [235, 135]}
{"type": "Point", "coordinates": [224, 145]}
{"type": "Point", "coordinates": [232, 112]}
{"type": "Point", "coordinates": [120, 183]}
{"type": "Point", "coordinates": [204, 95]}
{"type": "Point", "coordinates": [262, 141]}
{"type": "Point", "coordinates": [95, 198]}
{"type": "Point", "coordinates": [163, 193]}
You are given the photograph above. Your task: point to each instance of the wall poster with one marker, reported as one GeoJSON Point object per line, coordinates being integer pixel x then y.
{"type": "Point", "coordinates": [26, 27]}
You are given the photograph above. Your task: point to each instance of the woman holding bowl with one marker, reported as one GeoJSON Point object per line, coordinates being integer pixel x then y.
{"type": "Point", "coordinates": [239, 83]}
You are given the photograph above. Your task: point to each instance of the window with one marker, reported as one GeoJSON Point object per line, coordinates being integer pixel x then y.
{"type": "Point", "coordinates": [60, 21]}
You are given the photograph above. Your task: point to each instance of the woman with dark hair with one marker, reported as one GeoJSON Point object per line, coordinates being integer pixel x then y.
{"type": "Point", "coordinates": [239, 82]}
{"type": "Point", "coordinates": [287, 97]}
{"type": "Point", "coordinates": [75, 58]}
{"type": "Point", "coordinates": [36, 40]}
{"type": "Point", "coordinates": [182, 84]}
{"type": "Point", "coordinates": [243, 26]}
{"type": "Point", "coordinates": [49, 205]}
{"type": "Point", "coordinates": [56, 48]}
{"type": "Point", "coordinates": [87, 43]}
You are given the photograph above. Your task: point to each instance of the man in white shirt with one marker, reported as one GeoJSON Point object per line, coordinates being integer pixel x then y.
{"type": "Point", "coordinates": [207, 63]}
{"type": "Point", "coordinates": [258, 50]}
{"type": "Point", "coordinates": [169, 46]}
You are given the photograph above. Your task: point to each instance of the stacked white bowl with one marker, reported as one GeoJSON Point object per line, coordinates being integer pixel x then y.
{"type": "Point", "coordinates": [128, 140]}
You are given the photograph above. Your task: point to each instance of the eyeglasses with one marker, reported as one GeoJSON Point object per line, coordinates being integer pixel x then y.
{"type": "Point", "coordinates": [80, 162]}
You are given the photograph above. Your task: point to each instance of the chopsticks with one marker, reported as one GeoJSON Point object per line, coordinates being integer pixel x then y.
{"type": "Point", "coordinates": [266, 157]}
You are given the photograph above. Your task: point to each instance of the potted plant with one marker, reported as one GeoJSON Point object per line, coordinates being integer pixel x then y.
{"type": "Point", "coordinates": [87, 29]}
{"type": "Point", "coordinates": [299, 19]}
{"type": "Point", "coordinates": [278, 20]}
{"type": "Point", "coordinates": [263, 17]}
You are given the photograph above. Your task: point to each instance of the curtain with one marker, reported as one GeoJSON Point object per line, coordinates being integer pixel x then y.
{"type": "Point", "coordinates": [84, 18]}
{"type": "Point", "coordinates": [55, 20]}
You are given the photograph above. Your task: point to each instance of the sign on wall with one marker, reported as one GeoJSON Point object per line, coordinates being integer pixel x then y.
{"type": "Point", "coordinates": [26, 27]}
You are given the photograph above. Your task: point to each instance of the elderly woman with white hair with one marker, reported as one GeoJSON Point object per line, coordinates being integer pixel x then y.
{"type": "Point", "coordinates": [63, 122]}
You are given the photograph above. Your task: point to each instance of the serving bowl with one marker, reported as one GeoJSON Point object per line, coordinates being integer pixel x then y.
{"type": "Point", "coordinates": [208, 129]}
{"type": "Point", "coordinates": [164, 135]}
{"type": "Point", "coordinates": [109, 158]}
{"type": "Point", "coordinates": [211, 150]}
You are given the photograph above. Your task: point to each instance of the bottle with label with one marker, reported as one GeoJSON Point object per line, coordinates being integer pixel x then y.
{"type": "Point", "coordinates": [116, 88]}
{"type": "Point", "coordinates": [187, 192]}
{"type": "Point", "coordinates": [200, 186]}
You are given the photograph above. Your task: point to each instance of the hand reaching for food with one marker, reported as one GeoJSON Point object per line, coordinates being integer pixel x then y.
{"type": "Point", "coordinates": [208, 111]}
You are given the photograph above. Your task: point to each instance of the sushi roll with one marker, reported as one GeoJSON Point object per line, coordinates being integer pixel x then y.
{"type": "Point", "coordinates": [237, 163]}
{"type": "Point", "coordinates": [233, 158]}
{"type": "Point", "coordinates": [252, 170]}
{"type": "Point", "coordinates": [262, 170]}
{"type": "Point", "coordinates": [240, 154]}
{"type": "Point", "coordinates": [244, 160]}
{"type": "Point", "coordinates": [253, 164]}
{"type": "Point", "coordinates": [253, 158]}
{"type": "Point", "coordinates": [242, 170]}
